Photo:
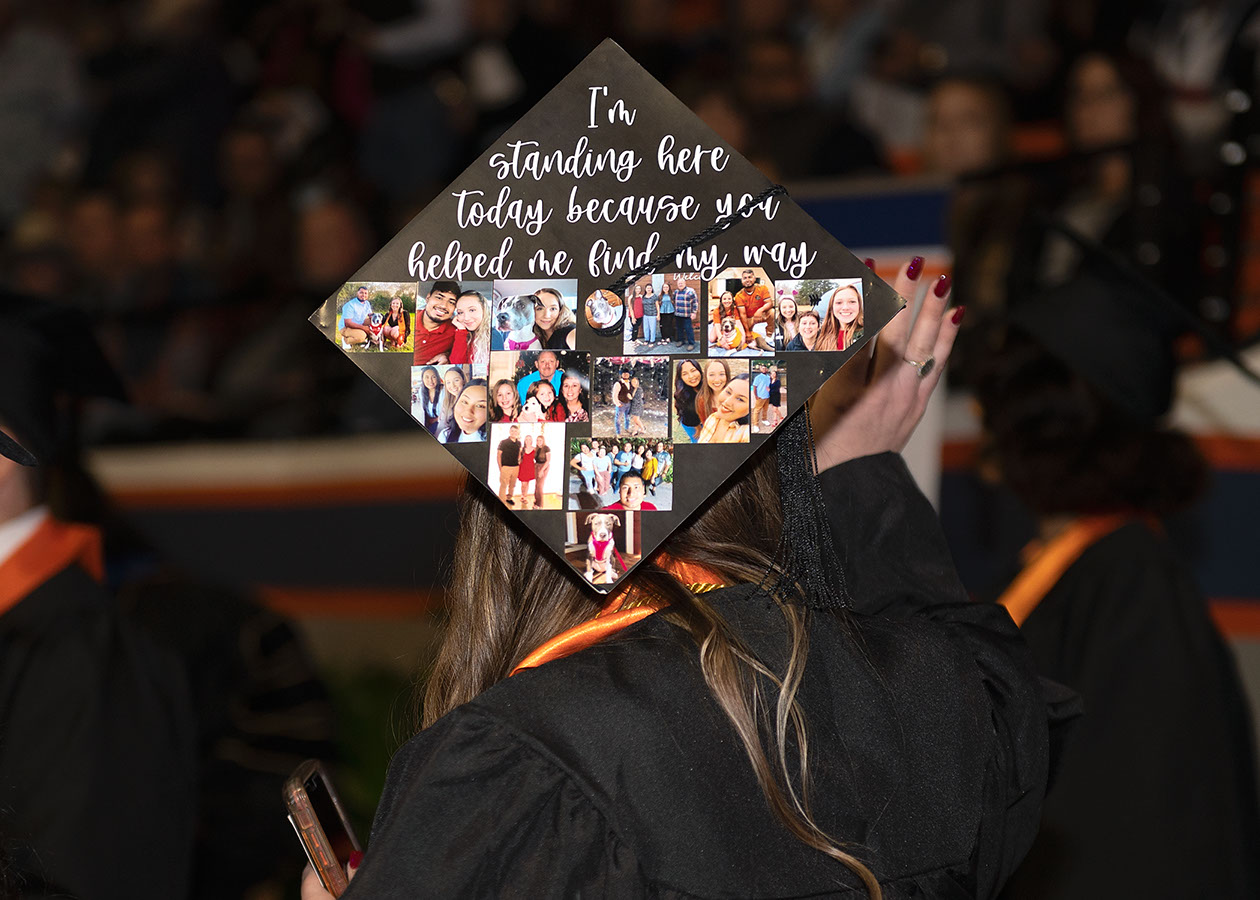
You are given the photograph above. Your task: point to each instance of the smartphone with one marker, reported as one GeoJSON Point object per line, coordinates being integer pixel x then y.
{"type": "Point", "coordinates": [316, 814]}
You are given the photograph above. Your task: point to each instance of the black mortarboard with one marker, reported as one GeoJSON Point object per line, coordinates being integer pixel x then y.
{"type": "Point", "coordinates": [609, 184]}
{"type": "Point", "coordinates": [50, 357]}
{"type": "Point", "coordinates": [1115, 328]}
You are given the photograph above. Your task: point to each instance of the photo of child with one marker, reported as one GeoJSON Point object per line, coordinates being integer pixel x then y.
{"type": "Point", "coordinates": [523, 464]}
{"type": "Point", "coordinates": [538, 379]}
{"type": "Point", "coordinates": [630, 396]}
{"type": "Point", "coordinates": [769, 391]}
{"type": "Point", "coordinates": [602, 545]}
{"type": "Point", "coordinates": [375, 316]}
{"type": "Point", "coordinates": [740, 313]}
{"type": "Point", "coordinates": [534, 314]}
{"type": "Point", "coordinates": [620, 474]}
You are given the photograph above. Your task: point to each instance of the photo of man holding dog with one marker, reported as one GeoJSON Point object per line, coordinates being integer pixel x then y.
{"type": "Point", "coordinates": [435, 333]}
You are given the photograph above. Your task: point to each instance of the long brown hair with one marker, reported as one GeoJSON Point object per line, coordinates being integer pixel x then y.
{"type": "Point", "coordinates": [706, 398]}
{"type": "Point", "coordinates": [833, 336]}
{"type": "Point", "coordinates": [489, 633]}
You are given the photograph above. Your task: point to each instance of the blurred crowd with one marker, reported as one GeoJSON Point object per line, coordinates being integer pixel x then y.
{"type": "Point", "coordinates": [198, 175]}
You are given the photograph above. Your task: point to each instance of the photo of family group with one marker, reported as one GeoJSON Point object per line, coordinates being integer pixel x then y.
{"type": "Point", "coordinates": [375, 316]}
{"type": "Point", "coordinates": [534, 314]}
{"type": "Point", "coordinates": [661, 314]}
{"type": "Point", "coordinates": [604, 310]}
{"type": "Point", "coordinates": [818, 314]}
{"type": "Point", "coordinates": [524, 469]}
{"type": "Point", "coordinates": [769, 395]}
{"type": "Point", "coordinates": [449, 402]}
{"type": "Point", "coordinates": [627, 474]}
{"type": "Point", "coordinates": [451, 325]}
{"type": "Point", "coordinates": [630, 396]}
{"type": "Point", "coordinates": [540, 386]}
{"type": "Point", "coordinates": [603, 546]}
{"type": "Point", "coordinates": [712, 401]}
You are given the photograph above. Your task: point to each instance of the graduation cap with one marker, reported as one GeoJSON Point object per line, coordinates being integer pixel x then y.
{"type": "Point", "coordinates": [50, 357]}
{"type": "Point", "coordinates": [527, 309]}
{"type": "Point", "coordinates": [1126, 352]}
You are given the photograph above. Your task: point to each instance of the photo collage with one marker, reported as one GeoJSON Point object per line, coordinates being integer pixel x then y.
{"type": "Point", "coordinates": [589, 436]}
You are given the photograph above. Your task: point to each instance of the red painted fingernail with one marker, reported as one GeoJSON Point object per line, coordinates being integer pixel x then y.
{"type": "Point", "coordinates": [356, 859]}
{"type": "Point", "coordinates": [915, 269]}
{"type": "Point", "coordinates": [870, 264]}
{"type": "Point", "coordinates": [959, 312]}
{"type": "Point", "coordinates": [942, 285]}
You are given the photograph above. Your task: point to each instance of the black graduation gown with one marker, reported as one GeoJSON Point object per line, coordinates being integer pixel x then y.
{"type": "Point", "coordinates": [1156, 794]}
{"type": "Point", "coordinates": [97, 765]}
{"type": "Point", "coordinates": [613, 773]}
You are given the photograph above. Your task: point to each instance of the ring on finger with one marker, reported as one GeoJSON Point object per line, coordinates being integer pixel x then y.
{"type": "Point", "coordinates": [922, 369]}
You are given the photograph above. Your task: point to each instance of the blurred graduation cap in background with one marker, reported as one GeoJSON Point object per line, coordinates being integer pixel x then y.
{"type": "Point", "coordinates": [51, 361]}
{"type": "Point", "coordinates": [1114, 327]}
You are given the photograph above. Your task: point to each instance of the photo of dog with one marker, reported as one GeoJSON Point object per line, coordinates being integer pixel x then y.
{"type": "Point", "coordinates": [603, 546]}
{"type": "Point", "coordinates": [604, 309]}
{"type": "Point", "coordinates": [601, 553]}
{"type": "Point", "coordinates": [376, 332]}
{"type": "Point", "coordinates": [514, 319]}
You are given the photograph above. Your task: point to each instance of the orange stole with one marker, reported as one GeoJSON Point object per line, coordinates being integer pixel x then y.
{"type": "Point", "coordinates": [625, 608]}
{"type": "Point", "coordinates": [1047, 563]}
{"type": "Point", "coordinates": [51, 547]}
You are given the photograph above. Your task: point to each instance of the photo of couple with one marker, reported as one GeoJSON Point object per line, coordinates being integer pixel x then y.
{"type": "Point", "coordinates": [603, 546]}
{"type": "Point", "coordinates": [713, 399]}
{"type": "Point", "coordinates": [661, 314]}
{"type": "Point", "coordinates": [524, 468]}
{"type": "Point", "coordinates": [534, 314]}
{"type": "Point", "coordinates": [629, 396]}
{"type": "Point", "coordinates": [540, 386]}
{"type": "Point", "coordinates": [741, 313]}
{"type": "Point", "coordinates": [769, 395]}
{"type": "Point", "coordinates": [451, 325]}
{"type": "Point", "coordinates": [609, 474]}
{"type": "Point", "coordinates": [375, 315]}
{"type": "Point", "coordinates": [449, 402]}
{"type": "Point", "coordinates": [818, 314]}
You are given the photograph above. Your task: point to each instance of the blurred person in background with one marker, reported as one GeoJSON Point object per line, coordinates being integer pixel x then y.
{"type": "Point", "coordinates": [1156, 793]}
{"type": "Point", "coordinates": [786, 124]}
{"type": "Point", "coordinates": [41, 104]}
{"type": "Point", "coordinates": [210, 698]}
{"type": "Point", "coordinates": [1123, 187]}
{"type": "Point", "coordinates": [967, 139]}
{"type": "Point", "coordinates": [97, 734]}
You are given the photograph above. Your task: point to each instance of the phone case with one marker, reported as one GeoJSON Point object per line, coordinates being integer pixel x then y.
{"type": "Point", "coordinates": [310, 832]}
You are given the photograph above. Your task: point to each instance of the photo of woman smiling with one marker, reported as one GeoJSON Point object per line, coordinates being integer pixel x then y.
{"type": "Point", "coordinates": [842, 318]}
{"type": "Point", "coordinates": [468, 418]}
{"type": "Point", "coordinates": [472, 343]}
{"type": "Point", "coordinates": [728, 423]}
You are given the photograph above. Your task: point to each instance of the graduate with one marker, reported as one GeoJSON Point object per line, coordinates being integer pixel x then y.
{"type": "Point", "coordinates": [97, 737]}
{"type": "Point", "coordinates": [778, 687]}
{"type": "Point", "coordinates": [1156, 794]}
